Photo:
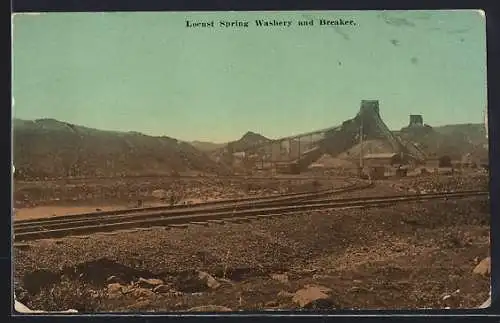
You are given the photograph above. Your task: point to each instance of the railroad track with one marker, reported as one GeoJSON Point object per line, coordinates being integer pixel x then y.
{"type": "Point", "coordinates": [53, 229]}
{"type": "Point", "coordinates": [220, 204]}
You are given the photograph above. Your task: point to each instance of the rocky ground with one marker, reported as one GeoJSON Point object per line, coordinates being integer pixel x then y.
{"type": "Point", "coordinates": [424, 184]}
{"type": "Point", "coordinates": [127, 192]}
{"type": "Point", "coordinates": [418, 255]}
{"type": "Point", "coordinates": [130, 191]}
{"type": "Point", "coordinates": [432, 183]}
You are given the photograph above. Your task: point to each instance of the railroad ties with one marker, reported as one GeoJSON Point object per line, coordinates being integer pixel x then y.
{"type": "Point", "coordinates": [113, 225]}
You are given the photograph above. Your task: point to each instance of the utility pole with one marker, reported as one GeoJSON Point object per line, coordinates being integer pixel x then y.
{"type": "Point", "coordinates": [298, 156]}
{"type": "Point", "coordinates": [298, 147]}
{"type": "Point", "coordinates": [361, 145]}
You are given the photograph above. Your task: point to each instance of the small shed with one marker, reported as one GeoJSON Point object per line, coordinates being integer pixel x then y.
{"type": "Point", "coordinates": [377, 172]}
{"type": "Point", "coordinates": [287, 168]}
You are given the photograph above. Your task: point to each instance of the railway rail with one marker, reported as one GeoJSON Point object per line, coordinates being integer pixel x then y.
{"type": "Point", "coordinates": [239, 202]}
{"type": "Point", "coordinates": [67, 227]}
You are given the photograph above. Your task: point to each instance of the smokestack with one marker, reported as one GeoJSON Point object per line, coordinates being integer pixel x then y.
{"type": "Point", "coordinates": [416, 120]}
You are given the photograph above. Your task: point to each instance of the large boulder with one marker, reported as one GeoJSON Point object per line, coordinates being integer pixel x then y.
{"type": "Point", "coordinates": [195, 281]}
{"type": "Point", "coordinates": [484, 267]}
{"type": "Point", "coordinates": [149, 283]}
{"type": "Point", "coordinates": [313, 297]}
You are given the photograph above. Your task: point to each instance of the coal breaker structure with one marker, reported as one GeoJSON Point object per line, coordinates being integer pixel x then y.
{"type": "Point", "coordinates": [295, 154]}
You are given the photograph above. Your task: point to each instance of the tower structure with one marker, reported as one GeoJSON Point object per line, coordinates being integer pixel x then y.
{"type": "Point", "coordinates": [416, 120]}
{"type": "Point", "coordinates": [370, 106]}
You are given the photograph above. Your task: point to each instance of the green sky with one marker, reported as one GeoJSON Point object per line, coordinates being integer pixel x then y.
{"type": "Point", "coordinates": [147, 72]}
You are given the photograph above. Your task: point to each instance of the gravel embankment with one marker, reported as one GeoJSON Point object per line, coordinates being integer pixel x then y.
{"type": "Point", "coordinates": [404, 256]}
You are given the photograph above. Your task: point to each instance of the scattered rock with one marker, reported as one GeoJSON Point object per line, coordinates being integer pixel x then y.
{"type": "Point", "coordinates": [282, 278]}
{"type": "Point", "coordinates": [285, 294]}
{"type": "Point", "coordinates": [484, 267]}
{"type": "Point", "coordinates": [114, 280]}
{"type": "Point", "coordinates": [115, 290]}
{"type": "Point", "coordinates": [306, 296]}
{"type": "Point", "coordinates": [141, 292]}
{"type": "Point", "coordinates": [209, 280]}
{"type": "Point", "coordinates": [194, 294]}
{"type": "Point", "coordinates": [196, 281]}
{"type": "Point", "coordinates": [114, 287]}
{"type": "Point", "coordinates": [271, 304]}
{"type": "Point", "coordinates": [140, 305]}
{"type": "Point", "coordinates": [225, 281]}
{"type": "Point", "coordinates": [304, 272]}
{"type": "Point", "coordinates": [210, 308]}
{"type": "Point", "coordinates": [321, 304]}
{"type": "Point", "coordinates": [149, 283]}
{"type": "Point", "coordinates": [162, 289]}
{"type": "Point", "coordinates": [355, 289]}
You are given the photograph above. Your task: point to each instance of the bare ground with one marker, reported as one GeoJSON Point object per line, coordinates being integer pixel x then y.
{"type": "Point", "coordinates": [419, 255]}
{"type": "Point", "coordinates": [127, 192]}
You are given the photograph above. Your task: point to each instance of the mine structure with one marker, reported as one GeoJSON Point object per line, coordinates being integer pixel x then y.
{"type": "Point", "coordinates": [416, 120]}
{"type": "Point", "coordinates": [296, 153]}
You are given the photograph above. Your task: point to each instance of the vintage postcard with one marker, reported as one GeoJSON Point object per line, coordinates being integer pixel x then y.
{"type": "Point", "coordinates": [250, 161]}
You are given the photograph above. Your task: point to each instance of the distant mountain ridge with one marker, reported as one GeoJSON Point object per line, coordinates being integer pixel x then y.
{"type": "Point", "coordinates": [207, 145]}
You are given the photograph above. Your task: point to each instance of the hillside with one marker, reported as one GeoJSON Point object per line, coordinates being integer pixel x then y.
{"type": "Point", "coordinates": [473, 129]}
{"type": "Point", "coordinates": [51, 148]}
{"type": "Point", "coordinates": [206, 145]}
{"type": "Point", "coordinates": [453, 140]}
{"type": "Point", "coordinates": [224, 155]}
{"type": "Point", "coordinates": [247, 140]}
